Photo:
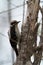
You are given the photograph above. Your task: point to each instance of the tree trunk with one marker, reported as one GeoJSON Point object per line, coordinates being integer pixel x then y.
{"type": "Point", "coordinates": [28, 33]}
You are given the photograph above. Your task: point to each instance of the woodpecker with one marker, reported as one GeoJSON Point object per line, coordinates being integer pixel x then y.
{"type": "Point", "coordinates": [14, 35]}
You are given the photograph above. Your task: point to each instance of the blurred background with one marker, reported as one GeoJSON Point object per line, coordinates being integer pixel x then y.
{"type": "Point", "coordinates": [12, 10]}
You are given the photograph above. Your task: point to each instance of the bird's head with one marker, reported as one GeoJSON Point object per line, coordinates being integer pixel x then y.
{"type": "Point", "coordinates": [14, 22]}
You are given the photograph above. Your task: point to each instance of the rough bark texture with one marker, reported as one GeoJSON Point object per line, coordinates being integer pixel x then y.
{"type": "Point", "coordinates": [29, 33]}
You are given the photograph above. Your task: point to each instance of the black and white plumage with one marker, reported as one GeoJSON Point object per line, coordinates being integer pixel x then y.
{"type": "Point", "coordinates": [14, 35]}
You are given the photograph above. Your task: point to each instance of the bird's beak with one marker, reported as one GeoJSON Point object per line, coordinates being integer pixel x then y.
{"type": "Point", "coordinates": [18, 21]}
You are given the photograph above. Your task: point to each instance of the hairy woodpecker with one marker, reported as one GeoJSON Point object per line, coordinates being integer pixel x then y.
{"type": "Point", "coordinates": [14, 35]}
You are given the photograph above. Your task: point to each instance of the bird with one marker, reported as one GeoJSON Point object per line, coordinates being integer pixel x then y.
{"type": "Point", "coordinates": [14, 35]}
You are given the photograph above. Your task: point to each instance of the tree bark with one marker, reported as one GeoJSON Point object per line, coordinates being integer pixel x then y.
{"type": "Point", "coordinates": [28, 33]}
